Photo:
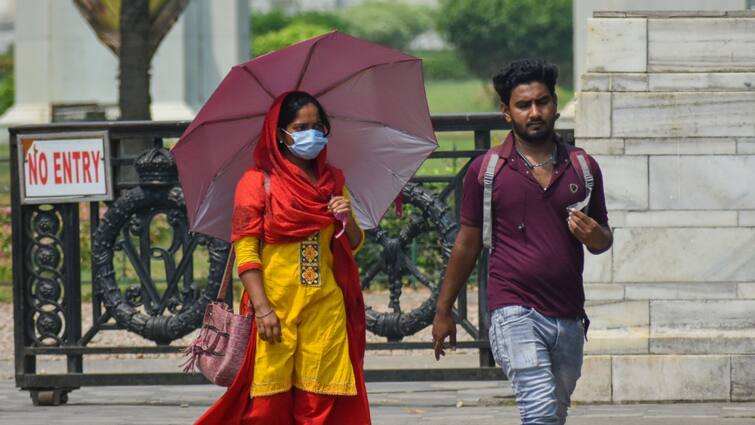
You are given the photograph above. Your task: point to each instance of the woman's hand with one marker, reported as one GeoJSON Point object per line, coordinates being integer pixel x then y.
{"type": "Point", "coordinates": [339, 205]}
{"type": "Point", "coordinates": [268, 326]}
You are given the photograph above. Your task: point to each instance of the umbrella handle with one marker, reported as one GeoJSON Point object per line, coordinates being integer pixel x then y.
{"type": "Point", "coordinates": [343, 218]}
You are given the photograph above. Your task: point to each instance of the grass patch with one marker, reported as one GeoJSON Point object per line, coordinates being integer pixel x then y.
{"type": "Point", "coordinates": [6, 293]}
{"type": "Point", "coordinates": [447, 96]}
{"type": "Point", "coordinates": [472, 95]}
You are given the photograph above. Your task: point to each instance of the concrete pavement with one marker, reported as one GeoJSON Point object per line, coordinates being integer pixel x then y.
{"type": "Point", "coordinates": [438, 403]}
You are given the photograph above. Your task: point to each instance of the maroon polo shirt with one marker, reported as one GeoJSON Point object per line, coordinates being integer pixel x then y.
{"type": "Point", "coordinates": [536, 261]}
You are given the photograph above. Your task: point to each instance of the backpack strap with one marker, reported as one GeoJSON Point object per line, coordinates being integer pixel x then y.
{"type": "Point", "coordinates": [487, 199]}
{"type": "Point", "coordinates": [492, 163]}
{"type": "Point", "coordinates": [578, 160]}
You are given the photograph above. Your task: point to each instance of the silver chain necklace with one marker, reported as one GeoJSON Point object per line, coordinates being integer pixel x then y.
{"type": "Point", "coordinates": [539, 164]}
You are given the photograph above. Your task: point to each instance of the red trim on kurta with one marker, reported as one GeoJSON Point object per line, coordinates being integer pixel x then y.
{"type": "Point", "coordinates": [297, 210]}
{"type": "Point", "coordinates": [245, 267]}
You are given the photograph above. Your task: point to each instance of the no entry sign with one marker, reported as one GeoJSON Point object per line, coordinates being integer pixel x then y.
{"type": "Point", "coordinates": [64, 167]}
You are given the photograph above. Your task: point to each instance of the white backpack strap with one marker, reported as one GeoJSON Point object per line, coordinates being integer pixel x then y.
{"type": "Point", "coordinates": [587, 175]}
{"type": "Point", "coordinates": [487, 202]}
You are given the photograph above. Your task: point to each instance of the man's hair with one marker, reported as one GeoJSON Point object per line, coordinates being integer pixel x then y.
{"type": "Point", "coordinates": [524, 71]}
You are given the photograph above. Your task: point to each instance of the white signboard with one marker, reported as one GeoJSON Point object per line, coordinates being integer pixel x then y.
{"type": "Point", "coordinates": [64, 167]}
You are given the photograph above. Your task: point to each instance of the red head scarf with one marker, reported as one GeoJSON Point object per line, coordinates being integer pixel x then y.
{"type": "Point", "coordinates": [297, 208]}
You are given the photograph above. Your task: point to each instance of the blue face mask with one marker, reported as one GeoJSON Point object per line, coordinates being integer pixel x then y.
{"type": "Point", "coordinates": [307, 143]}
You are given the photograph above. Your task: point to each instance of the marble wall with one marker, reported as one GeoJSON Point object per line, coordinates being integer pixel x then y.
{"type": "Point", "coordinates": [667, 107]}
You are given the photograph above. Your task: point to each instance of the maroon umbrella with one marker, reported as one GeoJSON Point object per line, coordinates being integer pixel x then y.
{"type": "Point", "coordinates": [375, 99]}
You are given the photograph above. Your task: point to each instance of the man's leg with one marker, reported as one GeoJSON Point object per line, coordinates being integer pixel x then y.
{"type": "Point", "coordinates": [521, 339]}
{"type": "Point", "coordinates": [566, 357]}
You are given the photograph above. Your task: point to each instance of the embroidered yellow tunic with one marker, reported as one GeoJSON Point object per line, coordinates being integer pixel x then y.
{"type": "Point", "coordinates": [299, 283]}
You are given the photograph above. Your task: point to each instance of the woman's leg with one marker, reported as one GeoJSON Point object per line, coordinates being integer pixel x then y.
{"type": "Point", "coordinates": [274, 409]}
{"type": "Point", "coordinates": [312, 409]}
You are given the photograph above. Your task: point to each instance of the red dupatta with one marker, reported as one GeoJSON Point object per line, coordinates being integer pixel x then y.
{"type": "Point", "coordinates": [296, 209]}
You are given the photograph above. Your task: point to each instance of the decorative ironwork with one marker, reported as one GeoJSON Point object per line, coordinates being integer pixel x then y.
{"type": "Point", "coordinates": [161, 316]}
{"type": "Point", "coordinates": [429, 215]}
{"type": "Point", "coordinates": [47, 266]}
{"type": "Point", "coordinates": [45, 269]}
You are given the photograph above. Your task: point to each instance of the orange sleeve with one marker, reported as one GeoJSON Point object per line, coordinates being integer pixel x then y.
{"type": "Point", "coordinates": [248, 206]}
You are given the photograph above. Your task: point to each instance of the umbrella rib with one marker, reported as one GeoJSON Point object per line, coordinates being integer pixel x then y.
{"type": "Point", "coordinates": [366, 121]}
{"type": "Point", "coordinates": [219, 120]}
{"type": "Point", "coordinates": [352, 76]}
{"type": "Point", "coordinates": [251, 74]}
{"type": "Point", "coordinates": [236, 118]}
{"type": "Point", "coordinates": [306, 63]}
{"type": "Point", "coordinates": [379, 124]}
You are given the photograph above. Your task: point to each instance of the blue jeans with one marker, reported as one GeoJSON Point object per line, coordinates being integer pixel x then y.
{"type": "Point", "coordinates": [542, 357]}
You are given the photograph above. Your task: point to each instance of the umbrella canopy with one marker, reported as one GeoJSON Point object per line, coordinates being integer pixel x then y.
{"type": "Point", "coordinates": [375, 100]}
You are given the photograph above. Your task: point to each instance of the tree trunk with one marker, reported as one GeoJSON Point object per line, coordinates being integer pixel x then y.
{"type": "Point", "coordinates": [135, 55]}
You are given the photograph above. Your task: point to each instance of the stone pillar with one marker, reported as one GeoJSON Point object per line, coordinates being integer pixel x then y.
{"type": "Point", "coordinates": [667, 107]}
{"type": "Point", "coordinates": [582, 10]}
{"type": "Point", "coordinates": [60, 61]}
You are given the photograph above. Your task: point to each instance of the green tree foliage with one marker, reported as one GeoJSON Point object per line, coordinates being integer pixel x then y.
{"type": "Point", "coordinates": [490, 33]}
{"type": "Point", "coordinates": [7, 80]}
{"type": "Point", "coordinates": [388, 22]}
{"type": "Point", "coordinates": [263, 23]}
{"type": "Point", "coordinates": [285, 37]}
{"type": "Point", "coordinates": [276, 20]}
{"type": "Point", "coordinates": [275, 29]}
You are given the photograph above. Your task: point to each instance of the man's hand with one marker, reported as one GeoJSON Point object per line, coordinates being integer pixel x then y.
{"type": "Point", "coordinates": [444, 326]}
{"type": "Point", "coordinates": [588, 231]}
{"type": "Point", "coordinates": [464, 254]}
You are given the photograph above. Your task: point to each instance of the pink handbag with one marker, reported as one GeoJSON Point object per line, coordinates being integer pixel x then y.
{"type": "Point", "coordinates": [219, 349]}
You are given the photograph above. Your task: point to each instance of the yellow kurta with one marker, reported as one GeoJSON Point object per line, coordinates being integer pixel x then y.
{"type": "Point", "coordinates": [299, 283]}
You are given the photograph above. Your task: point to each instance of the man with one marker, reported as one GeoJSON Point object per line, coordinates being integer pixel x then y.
{"type": "Point", "coordinates": [535, 294]}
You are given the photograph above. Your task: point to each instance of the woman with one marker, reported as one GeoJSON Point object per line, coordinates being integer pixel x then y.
{"type": "Point", "coordinates": [295, 235]}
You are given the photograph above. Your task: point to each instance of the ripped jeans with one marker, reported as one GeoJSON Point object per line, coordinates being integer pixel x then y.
{"type": "Point", "coordinates": [542, 357]}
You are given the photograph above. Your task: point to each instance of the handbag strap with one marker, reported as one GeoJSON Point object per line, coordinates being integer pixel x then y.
{"type": "Point", "coordinates": [226, 276]}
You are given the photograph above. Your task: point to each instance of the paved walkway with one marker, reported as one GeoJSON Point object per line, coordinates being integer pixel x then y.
{"type": "Point", "coordinates": [436, 403]}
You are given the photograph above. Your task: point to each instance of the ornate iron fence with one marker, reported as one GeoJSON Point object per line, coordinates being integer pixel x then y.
{"type": "Point", "coordinates": [47, 265]}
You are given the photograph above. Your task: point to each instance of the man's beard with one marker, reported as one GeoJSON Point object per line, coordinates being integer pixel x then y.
{"type": "Point", "coordinates": [535, 135]}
